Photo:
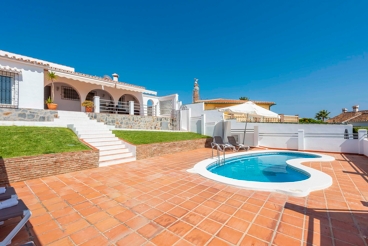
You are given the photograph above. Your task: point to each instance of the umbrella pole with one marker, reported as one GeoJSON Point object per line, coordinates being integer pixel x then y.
{"type": "Point", "coordinates": [245, 129]}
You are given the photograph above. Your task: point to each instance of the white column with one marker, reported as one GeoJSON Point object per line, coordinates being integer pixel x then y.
{"type": "Point", "coordinates": [203, 124]}
{"type": "Point", "coordinates": [301, 143]}
{"type": "Point", "coordinates": [131, 107]}
{"type": "Point", "coordinates": [362, 134]}
{"type": "Point", "coordinates": [188, 118]}
{"type": "Point", "coordinates": [256, 136]}
{"type": "Point", "coordinates": [96, 102]}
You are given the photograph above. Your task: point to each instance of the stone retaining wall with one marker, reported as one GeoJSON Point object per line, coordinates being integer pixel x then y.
{"type": "Point", "coordinates": [31, 167]}
{"type": "Point", "coordinates": [144, 151]}
{"type": "Point", "coordinates": [133, 121]}
{"type": "Point", "coordinates": [24, 114]}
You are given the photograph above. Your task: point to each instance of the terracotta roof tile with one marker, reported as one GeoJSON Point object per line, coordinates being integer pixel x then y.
{"type": "Point", "coordinates": [48, 67]}
{"type": "Point", "coordinates": [350, 117]}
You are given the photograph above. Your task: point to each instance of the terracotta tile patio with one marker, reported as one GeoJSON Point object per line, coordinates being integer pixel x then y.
{"type": "Point", "coordinates": [156, 202]}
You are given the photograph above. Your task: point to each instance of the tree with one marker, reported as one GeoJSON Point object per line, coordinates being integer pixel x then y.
{"type": "Point", "coordinates": [52, 76]}
{"type": "Point", "coordinates": [244, 98]}
{"type": "Point", "coordinates": [322, 115]}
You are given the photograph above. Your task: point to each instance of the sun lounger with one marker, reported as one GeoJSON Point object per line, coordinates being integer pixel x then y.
{"type": "Point", "coordinates": [233, 142]}
{"type": "Point", "coordinates": [18, 210]}
{"type": "Point", "coordinates": [218, 140]}
{"type": "Point", "coordinates": [9, 193]}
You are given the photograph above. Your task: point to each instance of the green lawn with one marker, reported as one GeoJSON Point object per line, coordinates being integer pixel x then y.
{"type": "Point", "coordinates": [18, 141]}
{"type": "Point", "coordinates": [147, 137]}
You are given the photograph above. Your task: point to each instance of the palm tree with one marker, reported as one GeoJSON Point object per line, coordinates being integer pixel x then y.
{"type": "Point", "coordinates": [322, 115]}
{"type": "Point", "coordinates": [52, 76]}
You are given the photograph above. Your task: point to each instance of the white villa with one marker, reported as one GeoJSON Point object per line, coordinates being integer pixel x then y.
{"type": "Point", "coordinates": [24, 84]}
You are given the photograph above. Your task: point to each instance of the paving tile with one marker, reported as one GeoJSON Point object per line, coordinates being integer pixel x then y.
{"type": "Point", "coordinates": [230, 235]}
{"type": "Point", "coordinates": [178, 212]}
{"type": "Point", "coordinates": [260, 232]}
{"type": "Point", "coordinates": [75, 226]}
{"type": "Point", "coordinates": [84, 235]}
{"type": "Point", "coordinates": [165, 220]}
{"type": "Point", "coordinates": [97, 217]}
{"type": "Point", "coordinates": [107, 224]}
{"type": "Point", "coordinates": [132, 239]}
{"type": "Point", "coordinates": [238, 224]}
{"type": "Point", "coordinates": [193, 218]}
{"type": "Point", "coordinates": [150, 230]}
{"type": "Point", "coordinates": [69, 218]}
{"type": "Point", "coordinates": [209, 226]}
{"type": "Point", "coordinates": [180, 228]}
{"type": "Point", "coordinates": [51, 236]}
{"type": "Point", "coordinates": [165, 238]}
{"type": "Point", "coordinates": [152, 213]}
{"type": "Point", "coordinates": [218, 242]}
{"type": "Point", "coordinates": [282, 239]}
{"type": "Point", "coordinates": [125, 216]}
{"type": "Point", "coordinates": [198, 237]}
{"type": "Point", "coordinates": [117, 232]}
{"type": "Point", "coordinates": [252, 241]}
{"type": "Point", "coordinates": [137, 222]}
{"type": "Point", "coordinates": [64, 241]}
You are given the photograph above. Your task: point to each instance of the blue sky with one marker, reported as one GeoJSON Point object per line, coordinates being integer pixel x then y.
{"type": "Point", "coordinates": [304, 55]}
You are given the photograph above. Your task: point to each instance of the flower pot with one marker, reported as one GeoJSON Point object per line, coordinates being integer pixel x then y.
{"type": "Point", "coordinates": [52, 106]}
{"type": "Point", "coordinates": [88, 109]}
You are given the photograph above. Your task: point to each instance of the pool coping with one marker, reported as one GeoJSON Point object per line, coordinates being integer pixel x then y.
{"type": "Point", "coordinates": [318, 180]}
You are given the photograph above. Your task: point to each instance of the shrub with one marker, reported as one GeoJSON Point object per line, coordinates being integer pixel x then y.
{"type": "Point", "coordinates": [356, 128]}
{"type": "Point", "coordinates": [311, 120]}
{"type": "Point", "coordinates": [88, 104]}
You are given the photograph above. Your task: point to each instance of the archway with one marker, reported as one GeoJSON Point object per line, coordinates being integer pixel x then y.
{"type": "Point", "coordinates": [107, 104]}
{"type": "Point", "coordinates": [123, 104]}
{"type": "Point", "coordinates": [150, 108]}
{"type": "Point", "coordinates": [65, 96]}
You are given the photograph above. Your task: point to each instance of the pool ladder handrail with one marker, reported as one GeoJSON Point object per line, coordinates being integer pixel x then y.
{"type": "Point", "coordinates": [219, 149]}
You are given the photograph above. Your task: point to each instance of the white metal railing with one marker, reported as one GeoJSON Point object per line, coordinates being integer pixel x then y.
{"type": "Point", "coordinates": [108, 107]}
{"type": "Point", "coordinates": [218, 150]}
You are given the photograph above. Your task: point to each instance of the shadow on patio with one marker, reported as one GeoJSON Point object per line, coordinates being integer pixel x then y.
{"type": "Point", "coordinates": [322, 225]}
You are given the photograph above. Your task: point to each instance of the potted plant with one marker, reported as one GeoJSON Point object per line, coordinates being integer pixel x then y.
{"type": "Point", "coordinates": [50, 101]}
{"type": "Point", "coordinates": [50, 104]}
{"type": "Point", "coordinates": [89, 105]}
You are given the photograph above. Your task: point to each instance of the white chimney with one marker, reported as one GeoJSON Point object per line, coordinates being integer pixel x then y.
{"type": "Point", "coordinates": [344, 110]}
{"type": "Point", "coordinates": [355, 108]}
{"type": "Point", "coordinates": [115, 77]}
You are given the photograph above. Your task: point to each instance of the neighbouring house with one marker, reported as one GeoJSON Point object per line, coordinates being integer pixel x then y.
{"type": "Point", "coordinates": [354, 117]}
{"type": "Point", "coordinates": [215, 104]}
{"type": "Point", "coordinates": [24, 83]}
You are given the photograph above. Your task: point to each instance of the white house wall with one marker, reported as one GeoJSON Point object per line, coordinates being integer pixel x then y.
{"type": "Point", "coordinates": [30, 84]}
{"type": "Point", "coordinates": [197, 109]}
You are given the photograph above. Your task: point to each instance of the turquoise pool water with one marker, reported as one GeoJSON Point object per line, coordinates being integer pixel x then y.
{"type": "Point", "coordinates": [262, 167]}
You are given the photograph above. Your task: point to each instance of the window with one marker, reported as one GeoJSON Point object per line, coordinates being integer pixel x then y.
{"type": "Point", "coordinates": [5, 89]}
{"type": "Point", "coordinates": [68, 93]}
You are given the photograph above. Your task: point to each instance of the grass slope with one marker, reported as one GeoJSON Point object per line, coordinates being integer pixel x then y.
{"type": "Point", "coordinates": [16, 141]}
{"type": "Point", "coordinates": [147, 137]}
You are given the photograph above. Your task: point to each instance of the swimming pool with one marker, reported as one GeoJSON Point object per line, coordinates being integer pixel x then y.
{"type": "Point", "coordinates": [279, 171]}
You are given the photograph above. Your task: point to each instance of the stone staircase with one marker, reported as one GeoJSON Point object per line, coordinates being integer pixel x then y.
{"type": "Point", "coordinates": [97, 134]}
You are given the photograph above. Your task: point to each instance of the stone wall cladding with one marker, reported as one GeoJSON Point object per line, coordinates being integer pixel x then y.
{"type": "Point", "coordinates": [24, 114]}
{"type": "Point", "coordinates": [32, 167]}
{"type": "Point", "coordinates": [133, 121]}
{"type": "Point", "coordinates": [150, 150]}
